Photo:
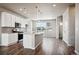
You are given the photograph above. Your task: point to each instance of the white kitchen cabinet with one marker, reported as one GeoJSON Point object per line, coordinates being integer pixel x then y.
{"type": "Point", "coordinates": [28, 41]}
{"type": "Point", "coordinates": [23, 22]}
{"type": "Point", "coordinates": [6, 20]}
{"type": "Point", "coordinates": [32, 41]}
{"type": "Point", "coordinates": [13, 21]}
{"type": "Point", "coordinates": [4, 40]}
{"type": "Point", "coordinates": [8, 39]}
{"type": "Point", "coordinates": [26, 21]}
{"type": "Point", "coordinates": [13, 38]}
{"type": "Point", "coordinates": [18, 20]}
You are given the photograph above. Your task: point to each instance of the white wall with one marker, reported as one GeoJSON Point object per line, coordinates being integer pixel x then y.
{"type": "Point", "coordinates": [72, 25]}
{"type": "Point", "coordinates": [77, 29]}
{"type": "Point", "coordinates": [65, 26]}
{"type": "Point", "coordinates": [0, 28]}
{"type": "Point", "coordinates": [69, 26]}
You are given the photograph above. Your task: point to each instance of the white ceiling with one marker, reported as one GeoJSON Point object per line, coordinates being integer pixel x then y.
{"type": "Point", "coordinates": [47, 11]}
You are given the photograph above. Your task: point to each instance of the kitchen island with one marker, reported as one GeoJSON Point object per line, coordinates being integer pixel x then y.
{"type": "Point", "coordinates": [32, 41]}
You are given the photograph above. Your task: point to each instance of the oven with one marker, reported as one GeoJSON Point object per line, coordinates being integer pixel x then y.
{"type": "Point", "coordinates": [20, 36]}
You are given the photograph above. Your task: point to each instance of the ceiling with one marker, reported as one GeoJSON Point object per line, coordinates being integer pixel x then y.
{"type": "Point", "coordinates": [37, 11]}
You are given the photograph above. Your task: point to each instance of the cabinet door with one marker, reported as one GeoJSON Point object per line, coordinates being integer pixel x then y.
{"type": "Point", "coordinates": [13, 38]}
{"type": "Point", "coordinates": [23, 23]}
{"type": "Point", "coordinates": [18, 20]}
{"type": "Point", "coordinates": [13, 21]}
{"type": "Point", "coordinates": [4, 40]}
{"type": "Point", "coordinates": [27, 41]}
{"type": "Point", "coordinates": [5, 19]}
{"type": "Point", "coordinates": [9, 23]}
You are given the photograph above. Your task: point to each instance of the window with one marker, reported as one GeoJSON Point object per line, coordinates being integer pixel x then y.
{"type": "Point", "coordinates": [41, 25]}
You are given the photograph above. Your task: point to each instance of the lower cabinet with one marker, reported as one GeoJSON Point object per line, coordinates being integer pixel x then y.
{"type": "Point", "coordinates": [32, 41]}
{"type": "Point", "coordinates": [9, 39]}
{"type": "Point", "coordinates": [38, 39]}
{"type": "Point", "coordinates": [28, 41]}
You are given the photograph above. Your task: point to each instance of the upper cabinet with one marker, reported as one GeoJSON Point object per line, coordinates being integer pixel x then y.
{"type": "Point", "coordinates": [13, 18]}
{"type": "Point", "coordinates": [7, 20]}
{"type": "Point", "coordinates": [18, 20]}
{"type": "Point", "coordinates": [23, 22]}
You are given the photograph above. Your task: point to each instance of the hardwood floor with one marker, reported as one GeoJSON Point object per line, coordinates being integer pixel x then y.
{"type": "Point", "coordinates": [49, 46]}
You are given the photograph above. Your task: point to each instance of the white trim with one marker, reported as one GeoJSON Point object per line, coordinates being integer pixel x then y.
{"type": "Point", "coordinates": [76, 52]}
{"type": "Point", "coordinates": [3, 45]}
{"type": "Point", "coordinates": [29, 48]}
{"type": "Point", "coordinates": [67, 43]}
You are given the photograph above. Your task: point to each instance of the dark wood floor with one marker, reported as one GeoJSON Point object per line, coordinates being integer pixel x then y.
{"type": "Point", "coordinates": [49, 46]}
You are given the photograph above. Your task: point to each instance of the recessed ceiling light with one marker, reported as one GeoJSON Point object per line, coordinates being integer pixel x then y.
{"type": "Point", "coordinates": [20, 9]}
{"type": "Point", "coordinates": [54, 5]}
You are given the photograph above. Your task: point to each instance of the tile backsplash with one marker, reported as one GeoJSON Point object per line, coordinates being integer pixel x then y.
{"type": "Point", "coordinates": [7, 29]}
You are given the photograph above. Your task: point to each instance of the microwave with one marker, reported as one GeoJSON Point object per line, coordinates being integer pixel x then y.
{"type": "Point", "coordinates": [17, 25]}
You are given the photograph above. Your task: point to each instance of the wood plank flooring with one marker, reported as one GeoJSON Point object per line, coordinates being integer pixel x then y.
{"type": "Point", "coordinates": [49, 46]}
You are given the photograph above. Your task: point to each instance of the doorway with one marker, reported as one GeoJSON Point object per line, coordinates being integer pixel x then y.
{"type": "Point", "coordinates": [61, 28]}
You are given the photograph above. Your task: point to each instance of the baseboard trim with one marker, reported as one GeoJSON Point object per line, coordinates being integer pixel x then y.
{"type": "Point", "coordinates": [32, 48]}
{"type": "Point", "coordinates": [3, 45]}
{"type": "Point", "coordinates": [67, 43]}
{"type": "Point", "coordinates": [8, 44]}
{"type": "Point", "coordinates": [77, 52]}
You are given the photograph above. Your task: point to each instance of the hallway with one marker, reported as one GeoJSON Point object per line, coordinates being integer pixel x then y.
{"type": "Point", "coordinates": [49, 46]}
